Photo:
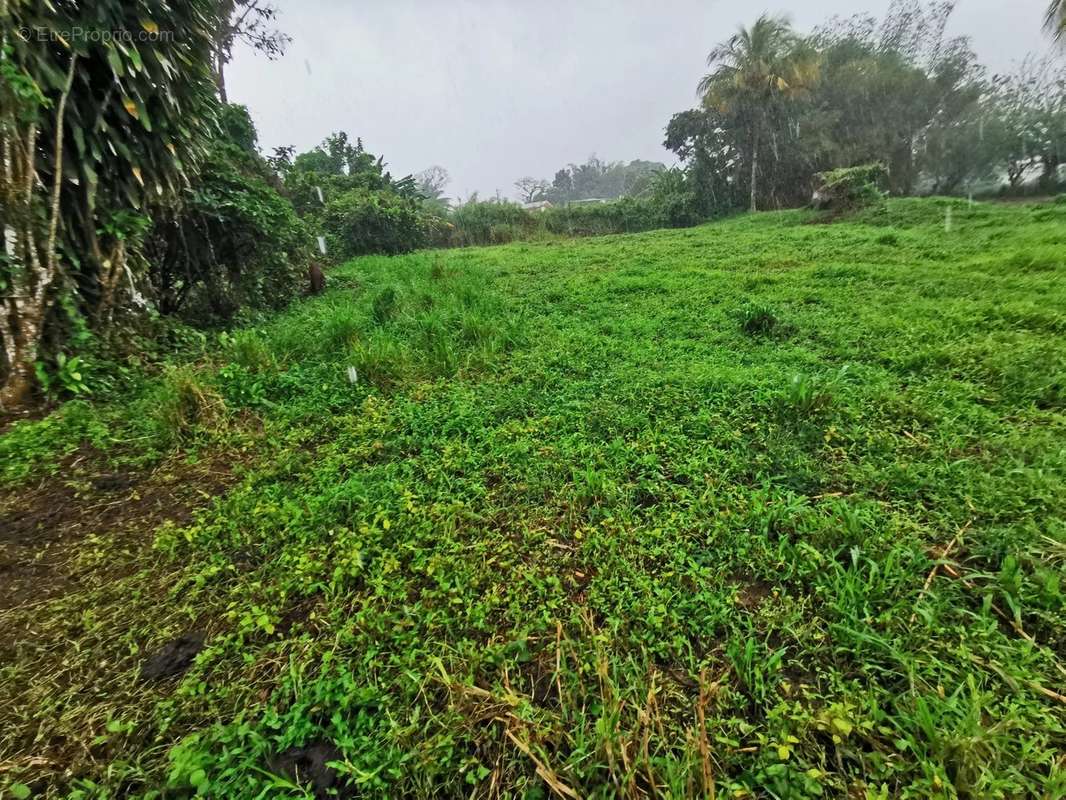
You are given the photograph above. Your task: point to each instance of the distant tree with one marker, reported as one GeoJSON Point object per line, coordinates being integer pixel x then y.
{"type": "Point", "coordinates": [604, 180]}
{"type": "Point", "coordinates": [703, 142]}
{"type": "Point", "coordinates": [248, 21]}
{"type": "Point", "coordinates": [338, 156]}
{"type": "Point", "coordinates": [531, 189]}
{"type": "Point", "coordinates": [432, 181]}
{"type": "Point", "coordinates": [1028, 111]}
{"type": "Point", "coordinates": [753, 69]}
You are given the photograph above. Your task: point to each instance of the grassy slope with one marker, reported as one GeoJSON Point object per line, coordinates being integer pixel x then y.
{"type": "Point", "coordinates": [573, 507]}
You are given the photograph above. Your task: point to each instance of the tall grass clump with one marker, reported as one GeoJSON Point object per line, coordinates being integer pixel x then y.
{"type": "Point", "coordinates": [248, 349]}
{"type": "Point", "coordinates": [186, 405]}
{"type": "Point", "coordinates": [384, 305]}
{"type": "Point", "coordinates": [1038, 259]}
{"type": "Point", "coordinates": [484, 223]}
{"type": "Point", "coordinates": [757, 319]}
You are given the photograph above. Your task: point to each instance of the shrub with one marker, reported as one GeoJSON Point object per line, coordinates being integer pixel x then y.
{"type": "Point", "coordinates": [361, 222]}
{"type": "Point", "coordinates": [628, 215]}
{"type": "Point", "coordinates": [678, 201]}
{"type": "Point", "coordinates": [67, 376]}
{"type": "Point", "coordinates": [234, 243]}
{"type": "Point", "coordinates": [849, 187]}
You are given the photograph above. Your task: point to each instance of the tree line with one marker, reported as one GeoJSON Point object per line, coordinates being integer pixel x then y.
{"type": "Point", "coordinates": [593, 180]}
{"type": "Point", "coordinates": [777, 107]}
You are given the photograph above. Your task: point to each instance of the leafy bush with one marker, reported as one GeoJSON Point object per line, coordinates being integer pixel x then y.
{"type": "Point", "coordinates": [850, 187]}
{"type": "Point", "coordinates": [235, 242]}
{"type": "Point", "coordinates": [678, 200]}
{"type": "Point", "coordinates": [361, 222]}
{"type": "Point", "coordinates": [67, 377]}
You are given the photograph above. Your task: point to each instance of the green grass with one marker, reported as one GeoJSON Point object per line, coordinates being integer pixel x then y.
{"type": "Point", "coordinates": [606, 516]}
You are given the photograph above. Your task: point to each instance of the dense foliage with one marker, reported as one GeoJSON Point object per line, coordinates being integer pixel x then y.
{"type": "Point", "coordinates": [361, 222]}
{"type": "Point", "coordinates": [849, 187]}
{"type": "Point", "coordinates": [233, 242]}
{"type": "Point", "coordinates": [780, 107]}
{"type": "Point", "coordinates": [96, 131]}
{"type": "Point", "coordinates": [345, 194]}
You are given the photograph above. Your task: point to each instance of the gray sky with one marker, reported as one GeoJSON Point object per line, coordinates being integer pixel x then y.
{"type": "Point", "coordinates": [493, 90]}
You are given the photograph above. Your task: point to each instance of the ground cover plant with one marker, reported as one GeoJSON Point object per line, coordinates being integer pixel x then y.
{"type": "Point", "coordinates": [764, 508]}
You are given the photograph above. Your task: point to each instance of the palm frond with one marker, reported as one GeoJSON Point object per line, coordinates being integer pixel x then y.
{"type": "Point", "coordinates": [1055, 19]}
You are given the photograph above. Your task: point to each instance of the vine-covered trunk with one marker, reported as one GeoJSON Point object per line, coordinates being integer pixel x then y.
{"type": "Point", "coordinates": [31, 266]}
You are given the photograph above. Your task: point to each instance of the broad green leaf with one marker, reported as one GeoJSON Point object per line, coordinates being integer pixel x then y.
{"type": "Point", "coordinates": [115, 61]}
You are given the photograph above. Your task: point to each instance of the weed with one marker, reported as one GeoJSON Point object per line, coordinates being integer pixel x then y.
{"type": "Point", "coordinates": [757, 319]}
{"type": "Point", "coordinates": [67, 377]}
{"type": "Point", "coordinates": [384, 308]}
{"type": "Point", "coordinates": [806, 396]}
{"type": "Point", "coordinates": [247, 349]}
{"type": "Point", "coordinates": [186, 405]}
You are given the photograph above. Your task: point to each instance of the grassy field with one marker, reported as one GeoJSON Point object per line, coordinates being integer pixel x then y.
{"type": "Point", "coordinates": [765, 508]}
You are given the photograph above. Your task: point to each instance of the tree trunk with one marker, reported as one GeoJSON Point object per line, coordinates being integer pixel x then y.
{"type": "Point", "coordinates": [220, 76]}
{"type": "Point", "coordinates": [1049, 177]}
{"type": "Point", "coordinates": [33, 248]}
{"type": "Point", "coordinates": [223, 42]}
{"type": "Point", "coordinates": [20, 378]}
{"type": "Point", "coordinates": [754, 165]}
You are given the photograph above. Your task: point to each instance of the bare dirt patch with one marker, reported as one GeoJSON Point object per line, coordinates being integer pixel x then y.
{"type": "Point", "coordinates": [44, 525]}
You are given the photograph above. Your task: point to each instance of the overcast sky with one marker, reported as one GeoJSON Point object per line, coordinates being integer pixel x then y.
{"type": "Point", "coordinates": [493, 90]}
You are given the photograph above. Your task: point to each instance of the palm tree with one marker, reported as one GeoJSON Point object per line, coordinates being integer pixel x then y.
{"type": "Point", "coordinates": [1055, 20]}
{"type": "Point", "coordinates": [752, 70]}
